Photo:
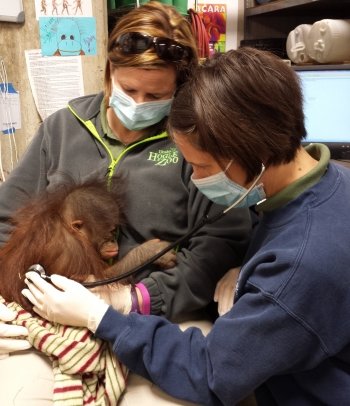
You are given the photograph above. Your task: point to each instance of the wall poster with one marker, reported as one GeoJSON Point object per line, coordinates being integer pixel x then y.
{"type": "Point", "coordinates": [214, 19]}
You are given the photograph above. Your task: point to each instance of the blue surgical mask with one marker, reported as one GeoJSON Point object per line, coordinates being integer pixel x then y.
{"type": "Point", "coordinates": [222, 190]}
{"type": "Point", "coordinates": [137, 116]}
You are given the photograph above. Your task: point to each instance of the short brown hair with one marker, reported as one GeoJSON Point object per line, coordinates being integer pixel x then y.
{"type": "Point", "coordinates": [245, 105]}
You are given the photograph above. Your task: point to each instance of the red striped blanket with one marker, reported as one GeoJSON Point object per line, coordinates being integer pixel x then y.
{"type": "Point", "coordinates": [86, 372]}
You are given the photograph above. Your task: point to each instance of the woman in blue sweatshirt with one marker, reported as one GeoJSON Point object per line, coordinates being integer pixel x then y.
{"type": "Point", "coordinates": [240, 121]}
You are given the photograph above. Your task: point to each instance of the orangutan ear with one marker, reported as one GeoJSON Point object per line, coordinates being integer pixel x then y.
{"type": "Point", "coordinates": [77, 225]}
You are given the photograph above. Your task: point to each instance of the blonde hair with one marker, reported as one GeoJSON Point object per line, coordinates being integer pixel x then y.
{"type": "Point", "coordinates": [157, 20]}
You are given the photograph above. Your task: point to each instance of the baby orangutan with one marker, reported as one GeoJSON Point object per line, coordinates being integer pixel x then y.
{"type": "Point", "coordinates": [71, 231]}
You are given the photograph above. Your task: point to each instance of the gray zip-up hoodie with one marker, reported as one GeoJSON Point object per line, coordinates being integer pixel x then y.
{"type": "Point", "coordinates": [162, 202]}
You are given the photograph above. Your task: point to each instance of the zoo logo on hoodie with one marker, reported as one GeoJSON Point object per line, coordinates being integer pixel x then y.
{"type": "Point", "coordinates": [164, 157]}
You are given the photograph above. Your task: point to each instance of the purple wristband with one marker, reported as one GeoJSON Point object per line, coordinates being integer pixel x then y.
{"type": "Point", "coordinates": [146, 300]}
{"type": "Point", "coordinates": [135, 307]}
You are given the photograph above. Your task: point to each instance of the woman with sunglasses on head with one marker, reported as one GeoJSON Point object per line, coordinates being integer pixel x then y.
{"type": "Point", "coordinates": [151, 52]}
{"type": "Point", "coordinates": [287, 336]}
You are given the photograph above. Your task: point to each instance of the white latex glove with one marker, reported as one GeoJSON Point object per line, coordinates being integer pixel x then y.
{"type": "Point", "coordinates": [117, 295]}
{"type": "Point", "coordinates": [8, 345]}
{"type": "Point", "coordinates": [72, 305]}
{"type": "Point", "coordinates": [225, 290]}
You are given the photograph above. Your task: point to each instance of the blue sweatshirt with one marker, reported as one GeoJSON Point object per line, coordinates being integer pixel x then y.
{"type": "Point", "coordinates": [287, 336]}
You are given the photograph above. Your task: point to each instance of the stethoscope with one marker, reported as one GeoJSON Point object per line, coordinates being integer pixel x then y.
{"type": "Point", "coordinates": [203, 221]}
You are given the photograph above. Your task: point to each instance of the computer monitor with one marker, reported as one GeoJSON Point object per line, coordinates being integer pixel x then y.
{"type": "Point", "coordinates": [326, 91]}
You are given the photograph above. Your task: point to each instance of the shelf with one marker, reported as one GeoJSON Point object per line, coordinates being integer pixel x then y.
{"type": "Point", "coordinates": [343, 66]}
{"type": "Point", "coordinates": [278, 5]}
{"type": "Point", "coordinates": [278, 17]}
{"type": "Point", "coordinates": [334, 8]}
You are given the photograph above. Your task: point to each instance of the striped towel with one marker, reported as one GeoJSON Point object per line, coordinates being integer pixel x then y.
{"type": "Point", "coordinates": [86, 372]}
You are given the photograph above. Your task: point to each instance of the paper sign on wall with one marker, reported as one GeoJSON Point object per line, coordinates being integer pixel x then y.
{"type": "Point", "coordinates": [10, 111]}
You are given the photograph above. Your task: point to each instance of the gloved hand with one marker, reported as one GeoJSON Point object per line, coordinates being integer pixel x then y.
{"type": "Point", "coordinates": [71, 304]}
{"type": "Point", "coordinates": [225, 290]}
{"type": "Point", "coordinates": [117, 295]}
{"type": "Point", "coordinates": [8, 345]}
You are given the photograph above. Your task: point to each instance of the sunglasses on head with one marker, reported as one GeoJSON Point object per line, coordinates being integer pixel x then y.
{"type": "Point", "coordinates": [166, 48]}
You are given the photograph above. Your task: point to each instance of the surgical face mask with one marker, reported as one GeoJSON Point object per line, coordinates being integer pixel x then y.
{"type": "Point", "coordinates": [137, 116]}
{"type": "Point", "coordinates": [222, 190]}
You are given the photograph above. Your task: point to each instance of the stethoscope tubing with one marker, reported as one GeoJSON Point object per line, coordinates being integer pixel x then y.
{"type": "Point", "coordinates": [203, 221]}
